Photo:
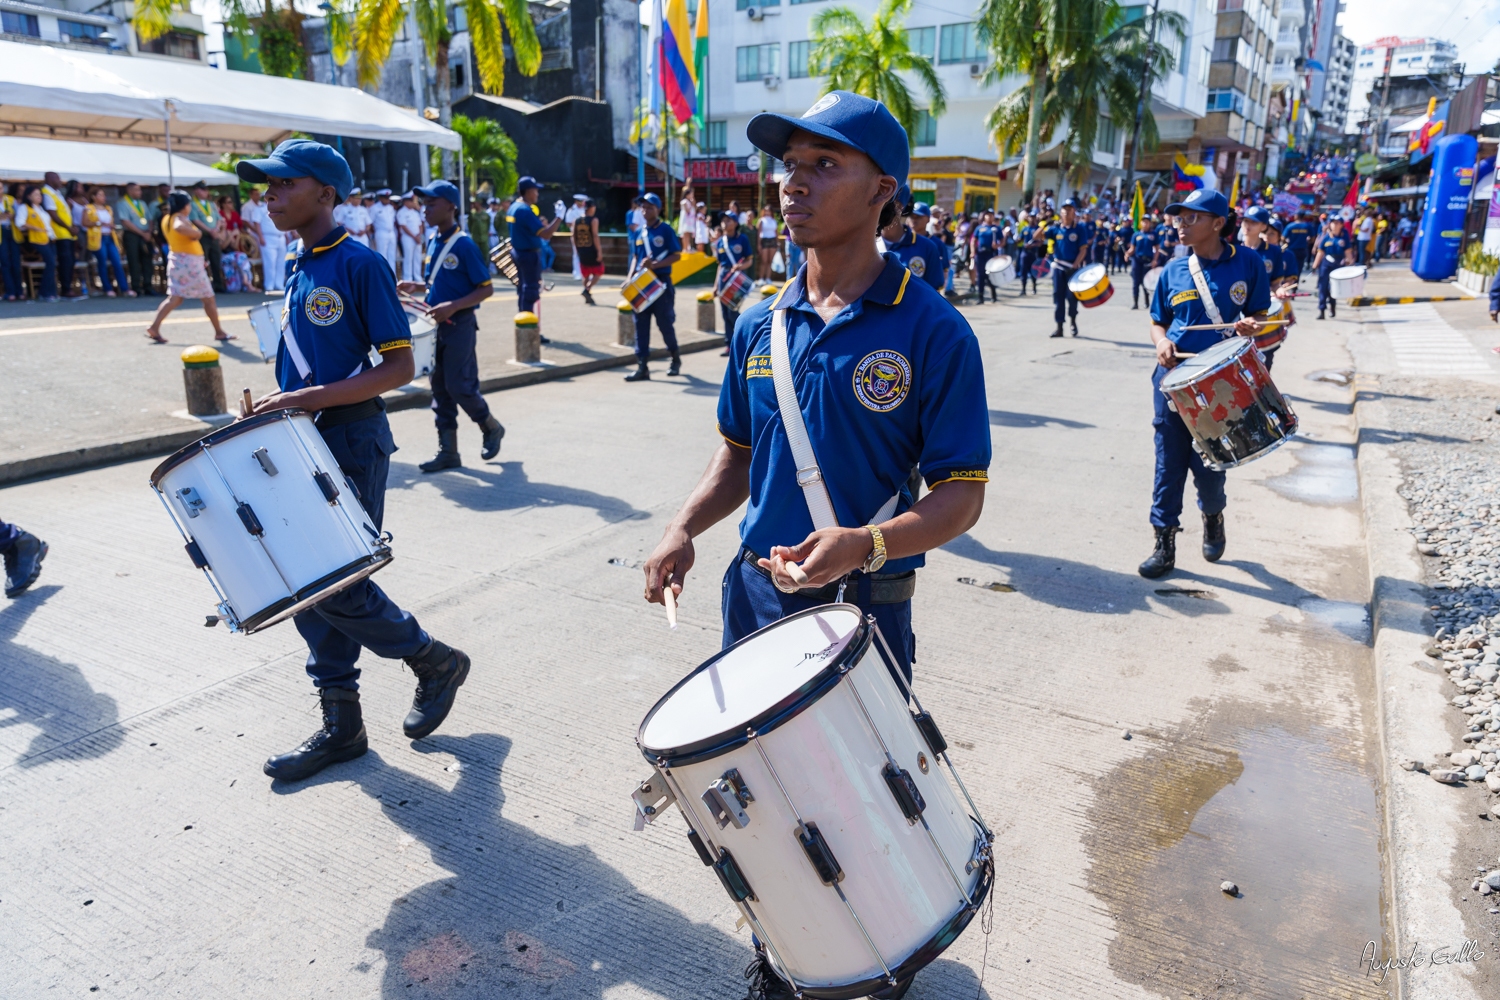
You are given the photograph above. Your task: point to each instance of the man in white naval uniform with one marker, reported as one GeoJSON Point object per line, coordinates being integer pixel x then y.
{"type": "Point", "coordinates": [383, 219]}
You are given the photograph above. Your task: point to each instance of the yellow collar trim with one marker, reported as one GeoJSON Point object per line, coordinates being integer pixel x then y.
{"type": "Point", "coordinates": [333, 244]}
{"type": "Point", "coordinates": [905, 277]}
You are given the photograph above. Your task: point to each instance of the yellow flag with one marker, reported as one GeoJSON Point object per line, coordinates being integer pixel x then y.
{"type": "Point", "coordinates": [1234, 191]}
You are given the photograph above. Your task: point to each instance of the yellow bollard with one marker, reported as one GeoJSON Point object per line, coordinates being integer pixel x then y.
{"type": "Point", "coordinates": [528, 338]}
{"type": "Point", "coordinates": [627, 324]}
{"type": "Point", "coordinates": [203, 380]}
{"type": "Point", "coordinates": [706, 312]}
{"type": "Point", "coordinates": [767, 290]}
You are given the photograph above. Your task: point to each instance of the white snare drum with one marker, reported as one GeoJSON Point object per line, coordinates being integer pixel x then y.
{"type": "Point", "coordinates": [1150, 279]}
{"type": "Point", "coordinates": [1347, 282]}
{"type": "Point", "coordinates": [423, 341]}
{"type": "Point", "coordinates": [269, 517]}
{"type": "Point", "coordinates": [265, 320]}
{"type": "Point", "coordinates": [736, 286]}
{"type": "Point", "coordinates": [819, 800]}
{"type": "Point", "coordinates": [1001, 270]}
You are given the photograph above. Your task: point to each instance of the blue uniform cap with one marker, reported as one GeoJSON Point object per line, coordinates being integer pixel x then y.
{"type": "Point", "coordinates": [526, 183]}
{"type": "Point", "coordinates": [1275, 222]}
{"type": "Point", "coordinates": [1068, 203]}
{"type": "Point", "coordinates": [1201, 200]}
{"type": "Point", "coordinates": [1259, 214]}
{"type": "Point", "coordinates": [651, 199]}
{"type": "Point", "coordinates": [856, 121]}
{"type": "Point", "coordinates": [442, 189]}
{"type": "Point", "coordinates": [903, 196]}
{"type": "Point", "coordinates": [301, 158]}
{"type": "Point", "coordinates": [920, 208]}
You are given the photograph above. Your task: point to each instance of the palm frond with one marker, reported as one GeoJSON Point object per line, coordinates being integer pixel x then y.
{"type": "Point", "coordinates": [523, 40]}
{"type": "Point", "coordinates": [375, 25]}
{"type": "Point", "coordinates": [487, 43]}
{"type": "Point", "coordinates": [432, 24]}
{"type": "Point", "coordinates": [153, 18]}
{"type": "Point", "coordinates": [340, 21]}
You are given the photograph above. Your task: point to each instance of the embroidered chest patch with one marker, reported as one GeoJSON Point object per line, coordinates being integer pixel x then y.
{"type": "Point", "coordinates": [1237, 293]}
{"type": "Point", "coordinates": [881, 380]}
{"type": "Point", "coordinates": [918, 266]}
{"type": "Point", "coordinates": [758, 366]}
{"type": "Point", "coordinates": [323, 306]}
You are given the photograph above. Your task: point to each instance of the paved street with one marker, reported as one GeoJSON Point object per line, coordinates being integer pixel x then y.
{"type": "Point", "coordinates": [143, 853]}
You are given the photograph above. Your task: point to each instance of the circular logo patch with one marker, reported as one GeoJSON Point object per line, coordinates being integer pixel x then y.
{"type": "Point", "coordinates": [1268, 266]}
{"type": "Point", "coordinates": [1072, 237]}
{"type": "Point", "coordinates": [450, 262]}
{"type": "Point", "coordinates": [323, 306]}
{"type": "Point", "coordinates": [658, 240]}
{"type": "Point", "coordinates": [917, 266]}
{"type": "Point", "coordinates": [824, 103]}
{"type": "Point", "coordinates": [1237, 293]}
{"type": "Point", "coordinates": [882, 380]}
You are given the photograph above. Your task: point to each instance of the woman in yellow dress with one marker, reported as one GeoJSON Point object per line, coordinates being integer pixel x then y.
{"type": "Point", "coordinates": [187, 277]}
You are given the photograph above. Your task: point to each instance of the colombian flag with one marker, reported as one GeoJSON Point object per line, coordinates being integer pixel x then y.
{"type": "Point", "coordinates": [1190, 176]}
{"type": "Point", "coordinates": [700, 65]}
{"type": "Point", "coordinates": [679, 78]}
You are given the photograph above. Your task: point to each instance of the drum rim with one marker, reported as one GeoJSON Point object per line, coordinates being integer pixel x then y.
{"type": "Point", "coordinates": [1206, 371]}
{"type": "Point", "coordinates": [342, 578]}
{"type": "Point", "coordinates": [788, 708]}
{"type": "Point", "coordinates": [220, 435]}
{"type": "Point", "coordinates": [1351, 271]}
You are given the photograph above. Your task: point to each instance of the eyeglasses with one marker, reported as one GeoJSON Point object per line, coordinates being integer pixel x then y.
{"type": "Point", "coordinates": [1184, 219]}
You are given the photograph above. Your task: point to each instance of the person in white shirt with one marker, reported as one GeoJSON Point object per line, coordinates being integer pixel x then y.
{"type": "Point", "coordinates": [355, 218]}
{"type": "Point", "coordinates": [342, 212]}
{"type": "Point", "coordinates": [272, 241]}
{"type": "Point", "coordinates": [688, 219]}
{"type": "Point", "coordinates": [409, 225]}
{"type": "Point", "coordinates": [576, 211]}
{"type": "Point", "coordinates": [383, 219]}
{"type": "Point", "coordinates": [702, 235]}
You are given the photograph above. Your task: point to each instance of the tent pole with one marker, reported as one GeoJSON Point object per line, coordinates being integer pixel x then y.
{"type": "Point", "coordinates": [167, 124]}
{"type": "Point", "coordinates": [463, 193]}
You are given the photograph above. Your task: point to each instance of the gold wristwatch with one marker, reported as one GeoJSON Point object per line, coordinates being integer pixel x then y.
{"type": "Point", "coordinates": [877, 554]}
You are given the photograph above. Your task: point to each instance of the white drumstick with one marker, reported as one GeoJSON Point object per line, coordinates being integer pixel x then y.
{"type": "Point", "coordinates": [795, 572]}
{"type": "Point", "coordinates": [670, 599]}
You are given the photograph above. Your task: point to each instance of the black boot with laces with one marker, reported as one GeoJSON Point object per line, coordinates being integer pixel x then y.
{"type": "Point", "coordinates": [1213, 536]}
{"type": "Point", "coordinates": [1164, 559]}
{"type": "Point", "coordinates": [440, 669]}
{"type": "Point", "coordinates": [341, 738]}
{"type": "Point", "coordinates": [764, 983]}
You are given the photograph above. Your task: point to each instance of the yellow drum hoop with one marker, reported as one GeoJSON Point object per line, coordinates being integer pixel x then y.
{"type": "Point", "coordinates": [1093, 291]}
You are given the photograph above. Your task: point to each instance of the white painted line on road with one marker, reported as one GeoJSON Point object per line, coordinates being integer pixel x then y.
{"type": "Point", "coordinates": [141, 323]}
{"type": "Point", "coordinates": [1424, 343]}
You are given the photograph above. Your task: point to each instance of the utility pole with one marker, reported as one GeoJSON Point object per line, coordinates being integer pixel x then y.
{"type": "Point", "coordinates": [1140, 104]}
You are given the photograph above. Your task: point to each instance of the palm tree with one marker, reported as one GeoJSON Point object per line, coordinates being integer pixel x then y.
{"type": "Point", "coordinates": [489, 153]}
{"type": "Point", "coordinates": [1028, 37]}
{"type": "Point", "coordinates": [869, 60]}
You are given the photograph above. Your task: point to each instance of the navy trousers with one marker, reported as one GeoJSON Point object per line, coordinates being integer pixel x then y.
{"type": "Point", "coordinates": [665, 311]}
{"type": "Point", "coordinates": [1062, 299]}
{"type": "Point", "coordinates": [529, 288]}
{"type": "Point", "coordinates": [981, 259]}
{"type": "Point", "coordinates": [731, 317]}
{"type": "Point", "coordinates": [455, 373]}
{"type": "Point", "coordinates": [10, 264]}
{"type": "Point", "coordinates": [8, 535]}
{"type": "Point", "coordinates": [1325, 291]}
{"type": "Point", "coordinates": [1175, 458]}
{"type": "Point", "coordinates": [1028, 261]}
{"type": "Point", "coordinates": [65, 262]}
{"type": "Point", "coordinates": [751, 601]}
{"type": "Point", "coordinates": [362, 615]}
{"type": "Point", "coordinates": [1137, 277]}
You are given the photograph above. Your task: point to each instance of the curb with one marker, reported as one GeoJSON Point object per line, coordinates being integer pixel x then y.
{"type": "Point", "coordinates": [407, 398]}
{"type": "Point", "coordinates": [1419, 817]}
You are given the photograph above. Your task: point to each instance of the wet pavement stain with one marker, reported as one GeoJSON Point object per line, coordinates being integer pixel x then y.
{"type": "Point", "coordinates": [1325, 474]}
{"type": "Point", "coordinates": [1290, 817]}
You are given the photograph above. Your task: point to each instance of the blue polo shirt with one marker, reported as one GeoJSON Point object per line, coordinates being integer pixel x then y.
{"type": "Point", "coordinates": [893, 381]}
{"type": "Point", "coordinates": [1026, 234]}
{"type": "Point", "coordinates": [340, 301]}
{"type": "Point", "coordinates": [1067, 240]}
{"type": "Point", "coordinates": [921, 256]}
{"type": "Point", "coordinates": [656, 242]}
{"type": "Point", "coordinates": [1297, 235]}
{"type": "Point", "coordinates": [1290, 267]}
{"type": "Point", "coordinates": [463, 269]}
{"type": "Point", "coordinates": [1143, 249]}
{"type": "Point", "coordinates": [525, 223]}
{"type": "Point", "coordinates": [730, 250]}
{"type": "Point", "coordinates": [1333, 248]}
{"type": "Point", "coordinates": [1239, 285]}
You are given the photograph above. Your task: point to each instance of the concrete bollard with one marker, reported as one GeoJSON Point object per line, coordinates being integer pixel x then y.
{"type": "Point", "coordinates": [204, 381]}
{"type": "Point", "coordinates": [767, 290]}
{"type": "Point", "coordinates": [528, 338]}
{"type": "Point", "coordinates": [706, 313]}
{"type": "Point", "coordinates": [626, 337]}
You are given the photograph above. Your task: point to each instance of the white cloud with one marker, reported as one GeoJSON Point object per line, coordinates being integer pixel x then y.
{"type": "Point", "coordinates": [1473, 26]}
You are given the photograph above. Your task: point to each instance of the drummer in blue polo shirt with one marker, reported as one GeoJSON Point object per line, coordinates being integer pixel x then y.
{"type": "Point", "coordinates": [1235, 277]}
{"type": "Point", "coordinates": [1142, 257]}
{"type": "Point", "coordinates": [1333, 249]}
{"type": "Point", "coordinates": [1070, 247]}
{"type": "Point", "coordinates": [919, 254]}
{"type": "Point", "coordinates": [527, 234]}
{"type": "Point", "coordinates": [733, 252]}
{"type": "Point", "coordinates": [455, 279]}
{"type": "Point", "coordinates": [656, 247]}
{"type": "Point", "coordinates": [340, 302]}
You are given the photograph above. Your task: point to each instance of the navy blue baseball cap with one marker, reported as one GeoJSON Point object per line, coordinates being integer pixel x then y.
{"type": "Point", "coordinates": [1259, 214]}
{"type": "Point", "coordinates": [442, 189]}
{"type": "Point", "coordinates": [903, 197]}
{"type": "Point", "coordinates": [856, 121]}
{"type": "Point", "coordinates": [301, 158]}
{"type": "Point", "coordinates": [1201, 200]}
{"type": "Point", "coordinates": [1276, 222]}
{"type": "Point", "coordinates": [920, 208]}
{"type": "Point", "coordinates": [526, 183]}
{"type": "Point", "coordinates": [1068, 203]}
{"type": "Point", "coordinates": [650, 198]}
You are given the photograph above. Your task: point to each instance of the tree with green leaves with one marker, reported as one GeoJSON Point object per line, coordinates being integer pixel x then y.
{"type": "Point", "coordinates": [488, 152]}
{"type": "Point", "coordinates": [1025, 37]}
{"type": "Point", "coordinates": [870, 59]}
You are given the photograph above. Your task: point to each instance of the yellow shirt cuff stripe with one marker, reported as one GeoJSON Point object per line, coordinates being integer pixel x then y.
{"type": "Point", "coordinates": [974, 476]}
{"type": "Point", "coordinates": [393, 345]}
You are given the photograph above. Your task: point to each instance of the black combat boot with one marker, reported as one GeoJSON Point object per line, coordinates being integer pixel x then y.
{"type": "Point", "coordinates": [341, 738]}
{"type": "Point", "coordinates": [1320, 314]}
{"type": "Point", "coordinates": [447, 456]}
{"type": "Point", "coordinates": [1333, 308]}
{"type": "Point", "coordinates": [23, 563]}
{"type": "Point", "coordinates": [1058, 331]}
{"type": "Point", "coordinates": [1164, 559]}
{"type": "Point", "coordinates": [676, 367]}
{"type": "Point", "coordinates": [440, 669]}
{"type": "Point", "coordinates": [1075, 328]}
{"type": "Point", "coordinates": [764, 983]}
{"type": "Point", "coordinates": [1213, 536]}
{"type": "Point", "coordinates": [493, 432]}
{"type": "Point", "coordinates": [641, 374]}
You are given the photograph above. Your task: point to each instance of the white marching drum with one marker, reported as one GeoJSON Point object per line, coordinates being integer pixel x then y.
{"type": "Point", "coordinates": [1150, 279]}
{"type": "Point", "coordinates": [1347, 282]}
{"type": "Point", "coordinates": [1001, 270]}
{"type": "Point", "coordinates": [265, 320]}
{"type": "Point", "coordinates": [819, 799]}
{"type": "Point", "coordinates": [269, 517]}
{"type": "Point", "coordinates": [423, 341]}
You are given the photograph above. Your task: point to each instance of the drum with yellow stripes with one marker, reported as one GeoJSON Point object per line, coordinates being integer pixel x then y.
{"type": "Point", "coordinates": [1091, 286]}
{"type": "Point", "coordinates": [642, 290]}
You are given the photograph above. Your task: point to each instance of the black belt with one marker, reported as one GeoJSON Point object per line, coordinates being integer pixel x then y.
{"type": "Point", "coordinates": [885, 588]}
{"type": "Point", "coordinates": [337, 416]}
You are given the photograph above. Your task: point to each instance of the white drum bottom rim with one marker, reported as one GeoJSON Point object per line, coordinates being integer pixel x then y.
{"type": "Point", "coordinates": [781, 712]}
{"type": "Point", "coordinates": [340, 579]}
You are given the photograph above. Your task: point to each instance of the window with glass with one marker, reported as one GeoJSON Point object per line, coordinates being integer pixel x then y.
{"type": "Point", "coordinates": [716, 138]}
{"type": "Point", "coordinates": [180, 44]}
{"type": "Point", "coordinates": [796, 59]}
{"type": "Point", "coordinates": [746, 4]}
{"type": "Point", "coordinates": [923, 42]}
{"type": "Point", "coordinates": [1107, 137]}
{"type": "Point", "coordinates": [79, 31]}
{"type": "Point", "coordinates": [1208, 57]}
{"type": "Point", "coordinates": [803, 1]}
{"type": "Point", "coordinates": [19, 24]}
{"type": "Point", "coordinates": [959, 43]}
{"type": "Point", "coordinates": [1226, 99]}
{"type": "Point", "coordinates": [926, 130]}
{"type": "Point", "coordinates": [753, 62]}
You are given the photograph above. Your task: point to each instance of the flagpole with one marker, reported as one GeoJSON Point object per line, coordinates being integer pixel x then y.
{"type": "Point", "coordinates": [640, 96]}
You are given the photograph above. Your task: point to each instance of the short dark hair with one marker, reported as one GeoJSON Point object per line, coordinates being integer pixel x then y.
{"type": "Point", "coordinates": [888, 214]}
{"type": "Point", "coordinates": [177, 201]}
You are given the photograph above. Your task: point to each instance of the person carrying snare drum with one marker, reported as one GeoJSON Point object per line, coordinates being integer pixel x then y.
{"type": "Point", "coordinates": [1334, 249]}
{"type": "Point", "coordinates": [341, 301]}
{"type": "Point", "coordinates": [733, 251]}
{"type": "Point", "coordinates": [1217, 282]}
{"type": "Point", "coordinates": [886, 375]}
{"type": "Point", "coordinates": [656, 247]}
{"type": "Point", "coordinates": [1142, 257]}
{"type": "Point", "coordinates": [1070, 247]}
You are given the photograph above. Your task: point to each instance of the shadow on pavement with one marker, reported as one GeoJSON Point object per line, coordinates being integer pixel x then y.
{"type": "Point", "coordinates": [1007, 418]}
{"type": "Point", "coordinates": [523, 915]}
{"type": "Point", "coordinates": [50, 694]}
{"type": "Point", "coordinates": [948, 980]}
{"type": "Point", "coordinates": [498, 486]}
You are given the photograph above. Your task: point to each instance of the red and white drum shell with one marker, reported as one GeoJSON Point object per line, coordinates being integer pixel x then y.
{"type": "Point", "coordinates": [1091, 286]}
{"type": "Point", "coordinates": [736, 286]}
{"type": "Point", "coordinates": [1229, 404]}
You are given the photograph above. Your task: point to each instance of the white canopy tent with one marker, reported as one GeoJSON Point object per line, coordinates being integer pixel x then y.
{"type": "Point", "coordinates": [23, 158]}
{"type": "Point", "coordinates": [51, 92]}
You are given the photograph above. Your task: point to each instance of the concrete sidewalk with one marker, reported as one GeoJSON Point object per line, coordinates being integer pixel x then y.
{"type": "Point", "coordinates": [90, 389]}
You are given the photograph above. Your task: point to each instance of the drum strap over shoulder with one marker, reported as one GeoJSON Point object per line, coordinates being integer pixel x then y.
{"type": "Point", "coordinates": [809, 475]}
{"type": "Point", "coordinates": [1209, 305]}
{"type": "Point", "coordinates": [437, 261]}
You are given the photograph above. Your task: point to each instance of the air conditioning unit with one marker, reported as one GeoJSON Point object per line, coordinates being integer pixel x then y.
{"type": "Point", "coordinates": [771, 82]}
{"type": "Point", "coordinates": [976, 70]}
{"type": "Point", "coordinates": [756, 13]}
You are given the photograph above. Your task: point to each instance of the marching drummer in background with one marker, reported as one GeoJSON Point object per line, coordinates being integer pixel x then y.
{"type": "Point", "coordinates": [1234, 278]}
{"type": "Point", "coordinates": [341, 301]}
{"type": "Point", "coordinates": [893, 378]}
{"type": "Point", "coordinates": [986, 244]}
{"type": "Point", "coordinates": [918, 254]}
{"type": "Point", "coordinates": [1256, 229]}
{"type": "Point", "coordinates": [1333, 249]}
{"type": "Point", "coordinates": [1029, 236]}
{"type": "Point", "coordinates": [733, 251]}
{"type": "Point", "coordinates": [1070, 246]}
{"type": "Point", "coordinates": [1142, 254]}
{"type": "Point", "coordinates": [527, 233]}
{"type": "Point", "coordinates": [1169, 244]}
{"type": "Point", "coordinates": [656, 247]}
{"type": "Point", "coordinates": [457, 279]}
{"type": "Point", "coordinates": [23, 554]}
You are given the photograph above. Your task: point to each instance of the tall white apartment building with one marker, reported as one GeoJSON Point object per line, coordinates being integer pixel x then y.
{"type": "Point", "coordinates": [1397, 57]}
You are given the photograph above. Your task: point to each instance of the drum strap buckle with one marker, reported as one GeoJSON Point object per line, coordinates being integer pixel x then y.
{"type": "Point", "coordinates": [808, 476]}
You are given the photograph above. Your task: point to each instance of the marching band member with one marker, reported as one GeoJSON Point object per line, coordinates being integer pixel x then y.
{"type": "Point", "coordinates": [527, 233]}
{"type": "Point", "coordinates": [383, 222]}
{"type": "Point", "coordinates": [891, 378]}
{"type": "Point", "coordinates": [457, 279]}
{"type": "Point", "coordinates": [1029, 236]}
{"type": "Point", "coordinates": [1258, 226]}
{"type": "Point", "coordinates": [734, 253]}
{"type": "Point", "coordinates": [23, 554]}
{"type": "Point", "coordinates": [1142, 257]}
{"type": "Point", "coordinates": [917, 254]}
{"type": "Point", "coordinates": [410, 225]}
{"type": "Point", "coordinates": [1070, 248]}
{"type": "Point", "coordinates": [341, 300]}
{"type": "Point", "coordinates": [656, 247]}
{"type": "Point", "coordinates": [984, 245]}
{"type": "Point", "coordinates": [1334, 249]}
{"type": "Point", "coordinates": [1234, 277]}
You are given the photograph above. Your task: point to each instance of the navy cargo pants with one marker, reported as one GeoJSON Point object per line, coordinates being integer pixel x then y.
{"type": "Point", "coordinates": [1175, 458]}
{"type": "Point", "coordinates": [455, 373]}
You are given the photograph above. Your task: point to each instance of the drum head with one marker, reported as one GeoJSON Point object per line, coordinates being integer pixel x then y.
{"type": "Point", "coordinates": [1087, 277]}
{"type": "Point", "coordinates": [1192, 369]}
{"type": "Point", "coordinates": [1151, 278]}
{"type": "Point", "coordinates": [1352, 271]}
{"type": "Point", "coordinates": [997, 264]}
{"type": "Point", "coordinates": [421, 326]}
{"type": "Point", "coordinates": [758, 681]}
